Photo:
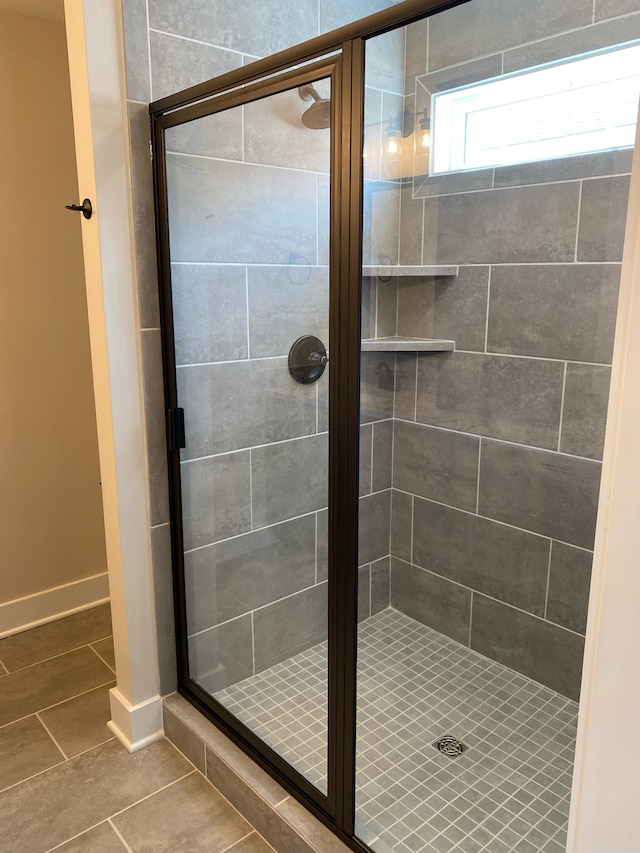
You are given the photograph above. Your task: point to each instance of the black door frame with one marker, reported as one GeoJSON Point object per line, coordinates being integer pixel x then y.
{"type": "Point", "coordinates": [339, 55]}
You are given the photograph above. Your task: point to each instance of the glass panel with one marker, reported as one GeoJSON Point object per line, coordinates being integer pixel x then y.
{"type": "Point", "coordinates": [489, 305]}
{"type": "Point", "coordinates": [248, 209]}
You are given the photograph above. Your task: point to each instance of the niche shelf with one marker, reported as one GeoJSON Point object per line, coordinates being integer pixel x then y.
{"type": "Point", "coordinates": [384, 271]}
{"type": "Point", "coordinates": [398, 343]}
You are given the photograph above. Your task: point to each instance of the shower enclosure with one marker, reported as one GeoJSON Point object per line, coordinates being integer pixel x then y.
{"type": "Point", "coordinates": [389, 261]}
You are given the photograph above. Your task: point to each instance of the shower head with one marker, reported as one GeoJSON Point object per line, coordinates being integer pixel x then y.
{"type": "Point", "coordinates": [318, 115]}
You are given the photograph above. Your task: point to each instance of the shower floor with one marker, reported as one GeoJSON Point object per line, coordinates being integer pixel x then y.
{"type": "Point", "coordinates": [508, 791]}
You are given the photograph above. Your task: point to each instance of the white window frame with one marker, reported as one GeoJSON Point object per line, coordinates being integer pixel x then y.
{"type": "Point", "coordinates": [576, 106]}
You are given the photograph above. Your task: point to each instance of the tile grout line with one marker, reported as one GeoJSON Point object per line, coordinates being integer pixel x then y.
{"type": "Point", "coordinates": [48, 731]}
{"type": "Point", "coordinates": [562, 401]}
{"type": "Point", "coordinates": [478, 478]}
{"type": "Point", "coordinates": [413, 564]}
{"type": "Point", "coordinates": [33, 775]}
{"type": "Point", "coordinates": [106, 663]}
{"type": "Point", "coordinates": [60, 654]}
{"type": "Point", "coordinates": [578, 217]}
{"type": "Point", "coordinates": [121, 811]}
{"type": "Point", "coordinates": [119, 834]}
{"type": "Point", "coordinates": [546, 594]}
{"type": "Point", "coordinates": [62, 702]}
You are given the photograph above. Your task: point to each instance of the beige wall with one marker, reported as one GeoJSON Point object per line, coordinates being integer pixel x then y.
{"type": "Point", "coordinates": [51, 528]}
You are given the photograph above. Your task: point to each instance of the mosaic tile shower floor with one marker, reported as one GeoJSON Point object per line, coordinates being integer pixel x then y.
{"type": "Point", "coordinates": [510, 789]}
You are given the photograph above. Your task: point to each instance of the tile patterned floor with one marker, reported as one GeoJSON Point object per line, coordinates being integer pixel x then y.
{"type": "Point", "coordinates": [509, 791]}
{"type": "Point", "coordinates": [67, 785]}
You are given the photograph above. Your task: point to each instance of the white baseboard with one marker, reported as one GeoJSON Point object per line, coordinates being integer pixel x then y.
{"type": "Point", "coordinates": [50, 604]}
{"type": "Point", "coordinates": [135, 726]}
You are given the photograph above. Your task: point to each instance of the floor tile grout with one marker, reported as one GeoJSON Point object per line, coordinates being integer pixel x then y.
{"type": "Point", "coordinates": [111, 682]}
{"type": "Point", "coordinates": [46, 728]}
{"type": "Point", "coordinates": [84, 645]}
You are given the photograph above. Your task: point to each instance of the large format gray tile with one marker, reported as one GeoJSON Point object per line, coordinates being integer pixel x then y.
{"type": "Point", "coordinates": [382, 455]}
{"type": "Point", "coordinates": [517, 399]}
{"type": "Point", "coordinates": [164, 607]}
{"type": "Point", "coordinates": [222, 655]}
{"type": "Point", "coordinates": [411, 227]}
{"type": "Point", "coordinates": [405, 386]}
{"type": "Point", "coordinates": [554, 311]}
{"type": "Point", "coordinates": [286, 302]}
{"type": "Point", "coordinates": [288, 479]}
{"type": "Point", "coordinates": [401, 524]}
{"type": "Point", "coordinates": [228, 212]}
{"type": "Point", "coordinates": [436, 464]}
{"type": "Point", "coordinates": [232, 783]}
{"type": "Point", "coordinates": [603, 217]}
{"type": "Point", "coordinates": [548, 493]}
{"type": "Point", "coordinates": [253, 843]}
{"type": "Point", "coordinates": [155, 421]}
{"type": "Point", "coordinates": [183, 737]}
{"type": "Point", "coordinates": [26, 749]}
{"type": "Point", "coordinates": [364, 455]}
{"type": "Point", "coordinates": [574, 43]}
{"type": "Point", "coordinates": [241, 574]}
{"type": "Point", "coordinates": [136, 49]}
{"type": "Point", "coordinates": [532, 224]}
{"type": "Point", "coordinates": [243, 404]}
{"type": "Point", "coordinates": [377, 382]}
{"type": "Point", "coordinates": [209, 313]}
{"type": "Point", "coordinates": [177, 63]}
{"type": "Point", "coordinates": [584, 414]}
{"type": "Point", "coordinates": [565, 168]}
{"type": "Point", "coordinates": [105, 650]}
{"type": "Point", "coordinates": [143, 215]}
{"type": "Point", "coordinates": [57, 637]}
{"type": "Point", "coordinates": [446, 308]}
{"type": "Point", "coordinates": [289, 626]}
{"type": "Point", "coordinates": [80, 723]}
{"type": "Point", "coordinates": [101, 839]}
{"type": "Point", "coordinates": [432, 600]}
{"type": "Point", "coordinates": [569, 584]}
{"type": "Point", "coordinates": [258, 30]}
{"type": "Point", "coordinates": [217, 135]}
{"type": "Point", "coordinates": [384, 60]}
{"type": "Point", "coordinates": [216, 498]}
{"type": "Point", "coordinates": [275, 135]}
{"type": "Point", "coordinates": [189, 816]}
{"type": "Point", "coordinates": [380, 229]}
{"type": "Point", "coordinates": [364, 592]}
{"type": "Point", "coordinates": [475, 29]}
{"type": "Point", "coordinates": [44, 684]}
{"type": "Point", "coordinates": [83, 792]}
{"type": "Point", "coordinates": [609, 8]}
{"type": "Point", "coordinates": [508, 564]}
{"type": "Point", "coordinates": [536, 648]}
{"type": "Point", "coordinates": [374, 526]}
{"type": "Point", "coordinates": [379, 579]}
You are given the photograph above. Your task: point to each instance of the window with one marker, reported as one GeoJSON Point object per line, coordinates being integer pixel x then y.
{"type": "Point", "coordinates": [574, 107]}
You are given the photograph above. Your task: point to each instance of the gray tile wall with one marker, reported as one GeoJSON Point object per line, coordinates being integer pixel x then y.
{"type": "Point", "coordinates": [506, 277]}
{"type": "Point", "coordinates": [498, 445]}
{"type": "Point", "coordinates": [249, 245]}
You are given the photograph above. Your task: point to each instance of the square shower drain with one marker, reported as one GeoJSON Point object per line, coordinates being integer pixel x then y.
{"type": "Point", "coordinates": [450, 746]}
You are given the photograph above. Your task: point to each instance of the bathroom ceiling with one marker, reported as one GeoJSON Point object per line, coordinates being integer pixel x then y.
{"type": "Point", "coordinates": [49, 10]}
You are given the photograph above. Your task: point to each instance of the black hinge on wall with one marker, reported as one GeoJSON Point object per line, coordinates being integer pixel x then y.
{"type": "Point", "coordinates": [176, 429]}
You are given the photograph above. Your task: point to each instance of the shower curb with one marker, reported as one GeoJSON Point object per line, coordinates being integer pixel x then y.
{"type": "Point", "coordinates": [281, 820]}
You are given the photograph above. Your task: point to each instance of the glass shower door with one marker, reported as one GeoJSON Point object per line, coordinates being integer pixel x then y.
{"type": "Point", "coordinates": [248, 207]}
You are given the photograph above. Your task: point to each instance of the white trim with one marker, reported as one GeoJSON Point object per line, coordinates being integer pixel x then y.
{"type": "Point", "coordinates": [98, 93]}
{"type": "Point", "coordinates": [135, 726]}
{"type": "Point", "coordinates": [51, 604]}
{"type": "Point", "coordinates": [606, 781]}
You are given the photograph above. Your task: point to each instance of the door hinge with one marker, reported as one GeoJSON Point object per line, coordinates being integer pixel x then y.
{"type": "Point", "coordinates": [176, 429]}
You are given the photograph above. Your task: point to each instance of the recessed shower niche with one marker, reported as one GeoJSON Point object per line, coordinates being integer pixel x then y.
{"type": "Point", "coordinates": [397, 551]}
